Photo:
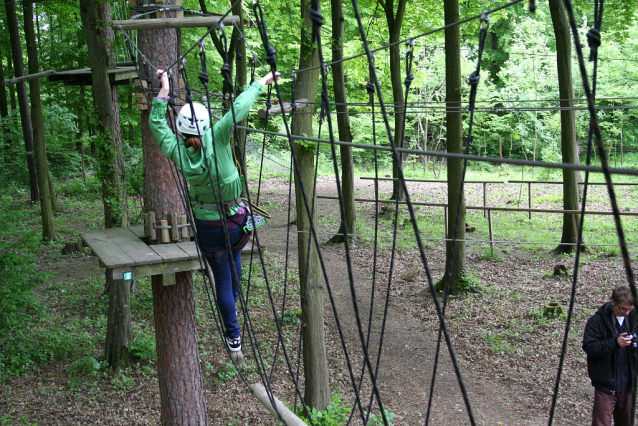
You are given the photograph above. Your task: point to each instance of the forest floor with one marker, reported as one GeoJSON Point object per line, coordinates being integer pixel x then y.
{"type": "Point", "coordinates": [507, 352]}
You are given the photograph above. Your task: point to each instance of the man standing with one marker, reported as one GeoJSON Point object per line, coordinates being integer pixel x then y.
{"type": "Point", "coordinates": [611, 358]}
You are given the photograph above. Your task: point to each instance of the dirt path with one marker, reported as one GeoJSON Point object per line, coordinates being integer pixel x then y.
{"type": "Point", "coordinates": [408, 354]}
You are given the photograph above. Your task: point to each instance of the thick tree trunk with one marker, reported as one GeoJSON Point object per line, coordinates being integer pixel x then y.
{"type": "Point", "coordinates": [119, 333]}
{"type": "Point", "coordinates": [179, 374]}
{"type": "Point", "coordinates": [105, 98]}
{"type": "Point", "coordinates": [317, 391]}
{"type": "Point", "coordinates": [45, 183]}
{"type": "Point", "coordinates": [569, 145]}
{"type": "Point", "coordinates": [395, 22]}
{"type": "Point", "coordinates": [99, 38]}
{"type": "Point", "coordinates": [23, 101]}
{"type": "Point", "coordinates": [178, 370]}
{"type": "Point", "coordinates": [343, 123]}
{"type": "Point", "coordinates": [455, 259]}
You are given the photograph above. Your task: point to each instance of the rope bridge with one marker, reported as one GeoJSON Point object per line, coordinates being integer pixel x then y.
{"type": "Point", "coordinates": [367, 378]}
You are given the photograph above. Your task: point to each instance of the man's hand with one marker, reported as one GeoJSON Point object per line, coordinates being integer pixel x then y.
{"type": "Point", "coordinates": [623, 340]}
{"type": "Point", "coordinates": [269, 79]}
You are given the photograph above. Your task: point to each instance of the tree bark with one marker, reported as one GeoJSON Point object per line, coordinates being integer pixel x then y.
{"type": "Point", "coordinates": [317, 390]}
{"type": "Point", "coordinates": [4, 111]}
{"type": "Point", "coordinates": [395, 21]}
{"type": "Point", "coordinates": [45, 183]}
{"type": "Point", "coordinates": [455, 259]}
{"type": "Point", "coordinates": [99, 37]}
{"type": "Point", "coordinates": [23, 101]}
{"type": "Point", "coordinates": [569, 145]}
{"type": "Point", "coordinates": [179, 374]}
{"type": "Point", "coordinates": [343, 124]}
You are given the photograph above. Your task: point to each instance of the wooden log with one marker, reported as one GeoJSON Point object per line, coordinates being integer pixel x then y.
{"type": "Point", "coordinates": [28, 77]}
{"type": "Point", "coordinates": [154, 24]}
{"type": "Point", "coordinates": [288, 417]}
{"type": "Point", "coordinates": [184, 227]}
{"type": "Point", "coordinates": [276, 109]}
{"type": "Point", "coordinates": [149, 226]}
{"type": "Point", "coordinates": [173, 223]}
{"type": "Point", "coordinates": [166, 238]}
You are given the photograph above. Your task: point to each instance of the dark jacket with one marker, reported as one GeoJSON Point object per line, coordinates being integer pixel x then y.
{"type": "Point", "coordinates": [601, 345]}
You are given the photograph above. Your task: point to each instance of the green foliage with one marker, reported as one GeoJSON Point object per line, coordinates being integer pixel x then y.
{"type": "Point", "coordinates": [85, 366]}
{"type": "Point", "coordinates": [335, 414]}
{"type": "Point", "coordinates": [143, 346]}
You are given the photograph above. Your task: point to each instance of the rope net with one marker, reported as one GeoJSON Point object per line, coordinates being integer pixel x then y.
{"type": "Point", "coordinates": [278, 352]}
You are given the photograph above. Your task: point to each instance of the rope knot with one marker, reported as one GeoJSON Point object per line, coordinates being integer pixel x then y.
{"type": "Point", "coordinates": [203, 77]}
{"type": "Point", "coordinates": [593, 40]}
{"type": "Point", "coordinates": [293, 106]}
{"type": "Point", "coordinates": [408, 79]}
{"type": "Point", "coordinates": [315, 16]}
{"type": "Point", "coordinates": [370, 87]}
{"type": "Point", "coordinates": [474, 78]}
{"type": "Point", "coordinates": [225, 70]}
{"type": "Point", "coordinates": [271, 56]}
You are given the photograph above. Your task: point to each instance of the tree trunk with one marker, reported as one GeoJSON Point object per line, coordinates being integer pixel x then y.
{"type": "Point", "coordinates": [394, 29]}
{"type": "Point", "coordinates": [178, 370]}
{"type": "Point", "coordinates": [99, 38]}
{"type": "Point", "coordinates": [179, 374]}
{"type": "Point", "coordinates": [569, 145]}
{"type": "Point", "coordinates": [4, 112]}
{"type": "Point", "coordinates": [455, 260]}
{"type": "Point", "coordinates": [317, 391]}
{"type": "Point", "coordinates": [241, 71]}
{"type": "Point", "coordinates": [105, 98]}
{"type": "Point", "coordinates": [23, 101]}
{"type": "Point", "coordinates": [343, 123]}
{"type": "Point", "coordinates": [37, 120]}
{"type": "Point", "coordinates": [119, 333]}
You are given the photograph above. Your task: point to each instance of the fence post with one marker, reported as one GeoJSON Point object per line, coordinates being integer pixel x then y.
{"type": "Point", "coordinates": [485, 198]}
{"type": "Point", "coordinates": [489, 223]}
{"type": "Point", "coordinates": [529, 198]}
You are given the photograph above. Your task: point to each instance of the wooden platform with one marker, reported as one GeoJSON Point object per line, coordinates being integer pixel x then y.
{"type": "Point", "coordinates": [84, 77]}
{"type": "Point", "coordinates": [126, 256]}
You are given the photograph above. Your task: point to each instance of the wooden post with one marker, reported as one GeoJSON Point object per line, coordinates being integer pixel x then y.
{"type": "Point", "coordinates": [489, 223]}
{"type": "Point", "coordinates": [445, 214]}
{"type": "Point", "coordinates": [174, 224]}
{"type": "Point", "coordinates": [484, 198]}
{"type": "Point", "coordinates": [166, 238]}
{"type": "Point", "coordinates": [184, 227]}
{"type": "Point", "coordinates": [149, 226]}
{"type": "Point", "coordinates": [529, 198]}
{"type": "Point", "coordinates": [280, 410]}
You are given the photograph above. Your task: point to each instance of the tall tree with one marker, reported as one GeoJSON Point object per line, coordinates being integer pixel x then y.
{"type": "Point", "coordinates": [343, 123]}
{"type": "Point", "coordinates": [37, 119]}
{"type": "Point", "coordinates": [4, 110]}
{"type": "Point", "coordinates": [99, 38]}
{"type": "Point", "coordinates": [23, 101]}
{"type": "Point", "coordinates": [455, 254]}
{"type": "Point", "coordinates": [569, 144]}
{"type": "Point", "coordinates": [394, 20]}
{"type": "Point", "coordinates": [178, 368]}
{"type": "Point", "coordinates": [317, 391]}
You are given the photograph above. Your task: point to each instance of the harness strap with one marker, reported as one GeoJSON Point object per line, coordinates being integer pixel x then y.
{"type": "Point", "coordinates": [214, 206]}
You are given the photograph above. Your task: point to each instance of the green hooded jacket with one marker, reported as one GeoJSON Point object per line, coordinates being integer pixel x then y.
{"type": "Point", "coordinates": [219, 159]}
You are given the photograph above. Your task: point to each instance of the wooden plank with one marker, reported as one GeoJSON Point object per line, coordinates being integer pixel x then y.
{"type": "Point", "coordinates": [154, 24]}
{"type": "Point", "coordinates": [120, 247]}
{"type": "Point", "coordinates": [106, 249]}
{"type": "Point", "coordinates": [170, 252]}
{"type": "Point", "coordinates": [84, 76]}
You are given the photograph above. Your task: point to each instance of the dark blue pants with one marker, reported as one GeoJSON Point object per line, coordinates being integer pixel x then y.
{"type": "Point", "coordinates": [212, 241]}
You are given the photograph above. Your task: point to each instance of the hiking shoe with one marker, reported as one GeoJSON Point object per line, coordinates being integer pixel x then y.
{"type": "Point", "coordinates": [234, 345]}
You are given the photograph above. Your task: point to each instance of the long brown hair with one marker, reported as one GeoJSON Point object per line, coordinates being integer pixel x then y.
{"type": "Point", "coordinates": [193, 142]}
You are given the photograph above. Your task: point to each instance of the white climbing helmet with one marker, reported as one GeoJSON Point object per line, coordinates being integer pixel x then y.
{"type": "Point", "coordinates": [190, 125]}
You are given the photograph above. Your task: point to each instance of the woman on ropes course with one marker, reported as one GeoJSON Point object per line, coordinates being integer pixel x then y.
{"type": "Point", "coordinates": [206, 159]}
